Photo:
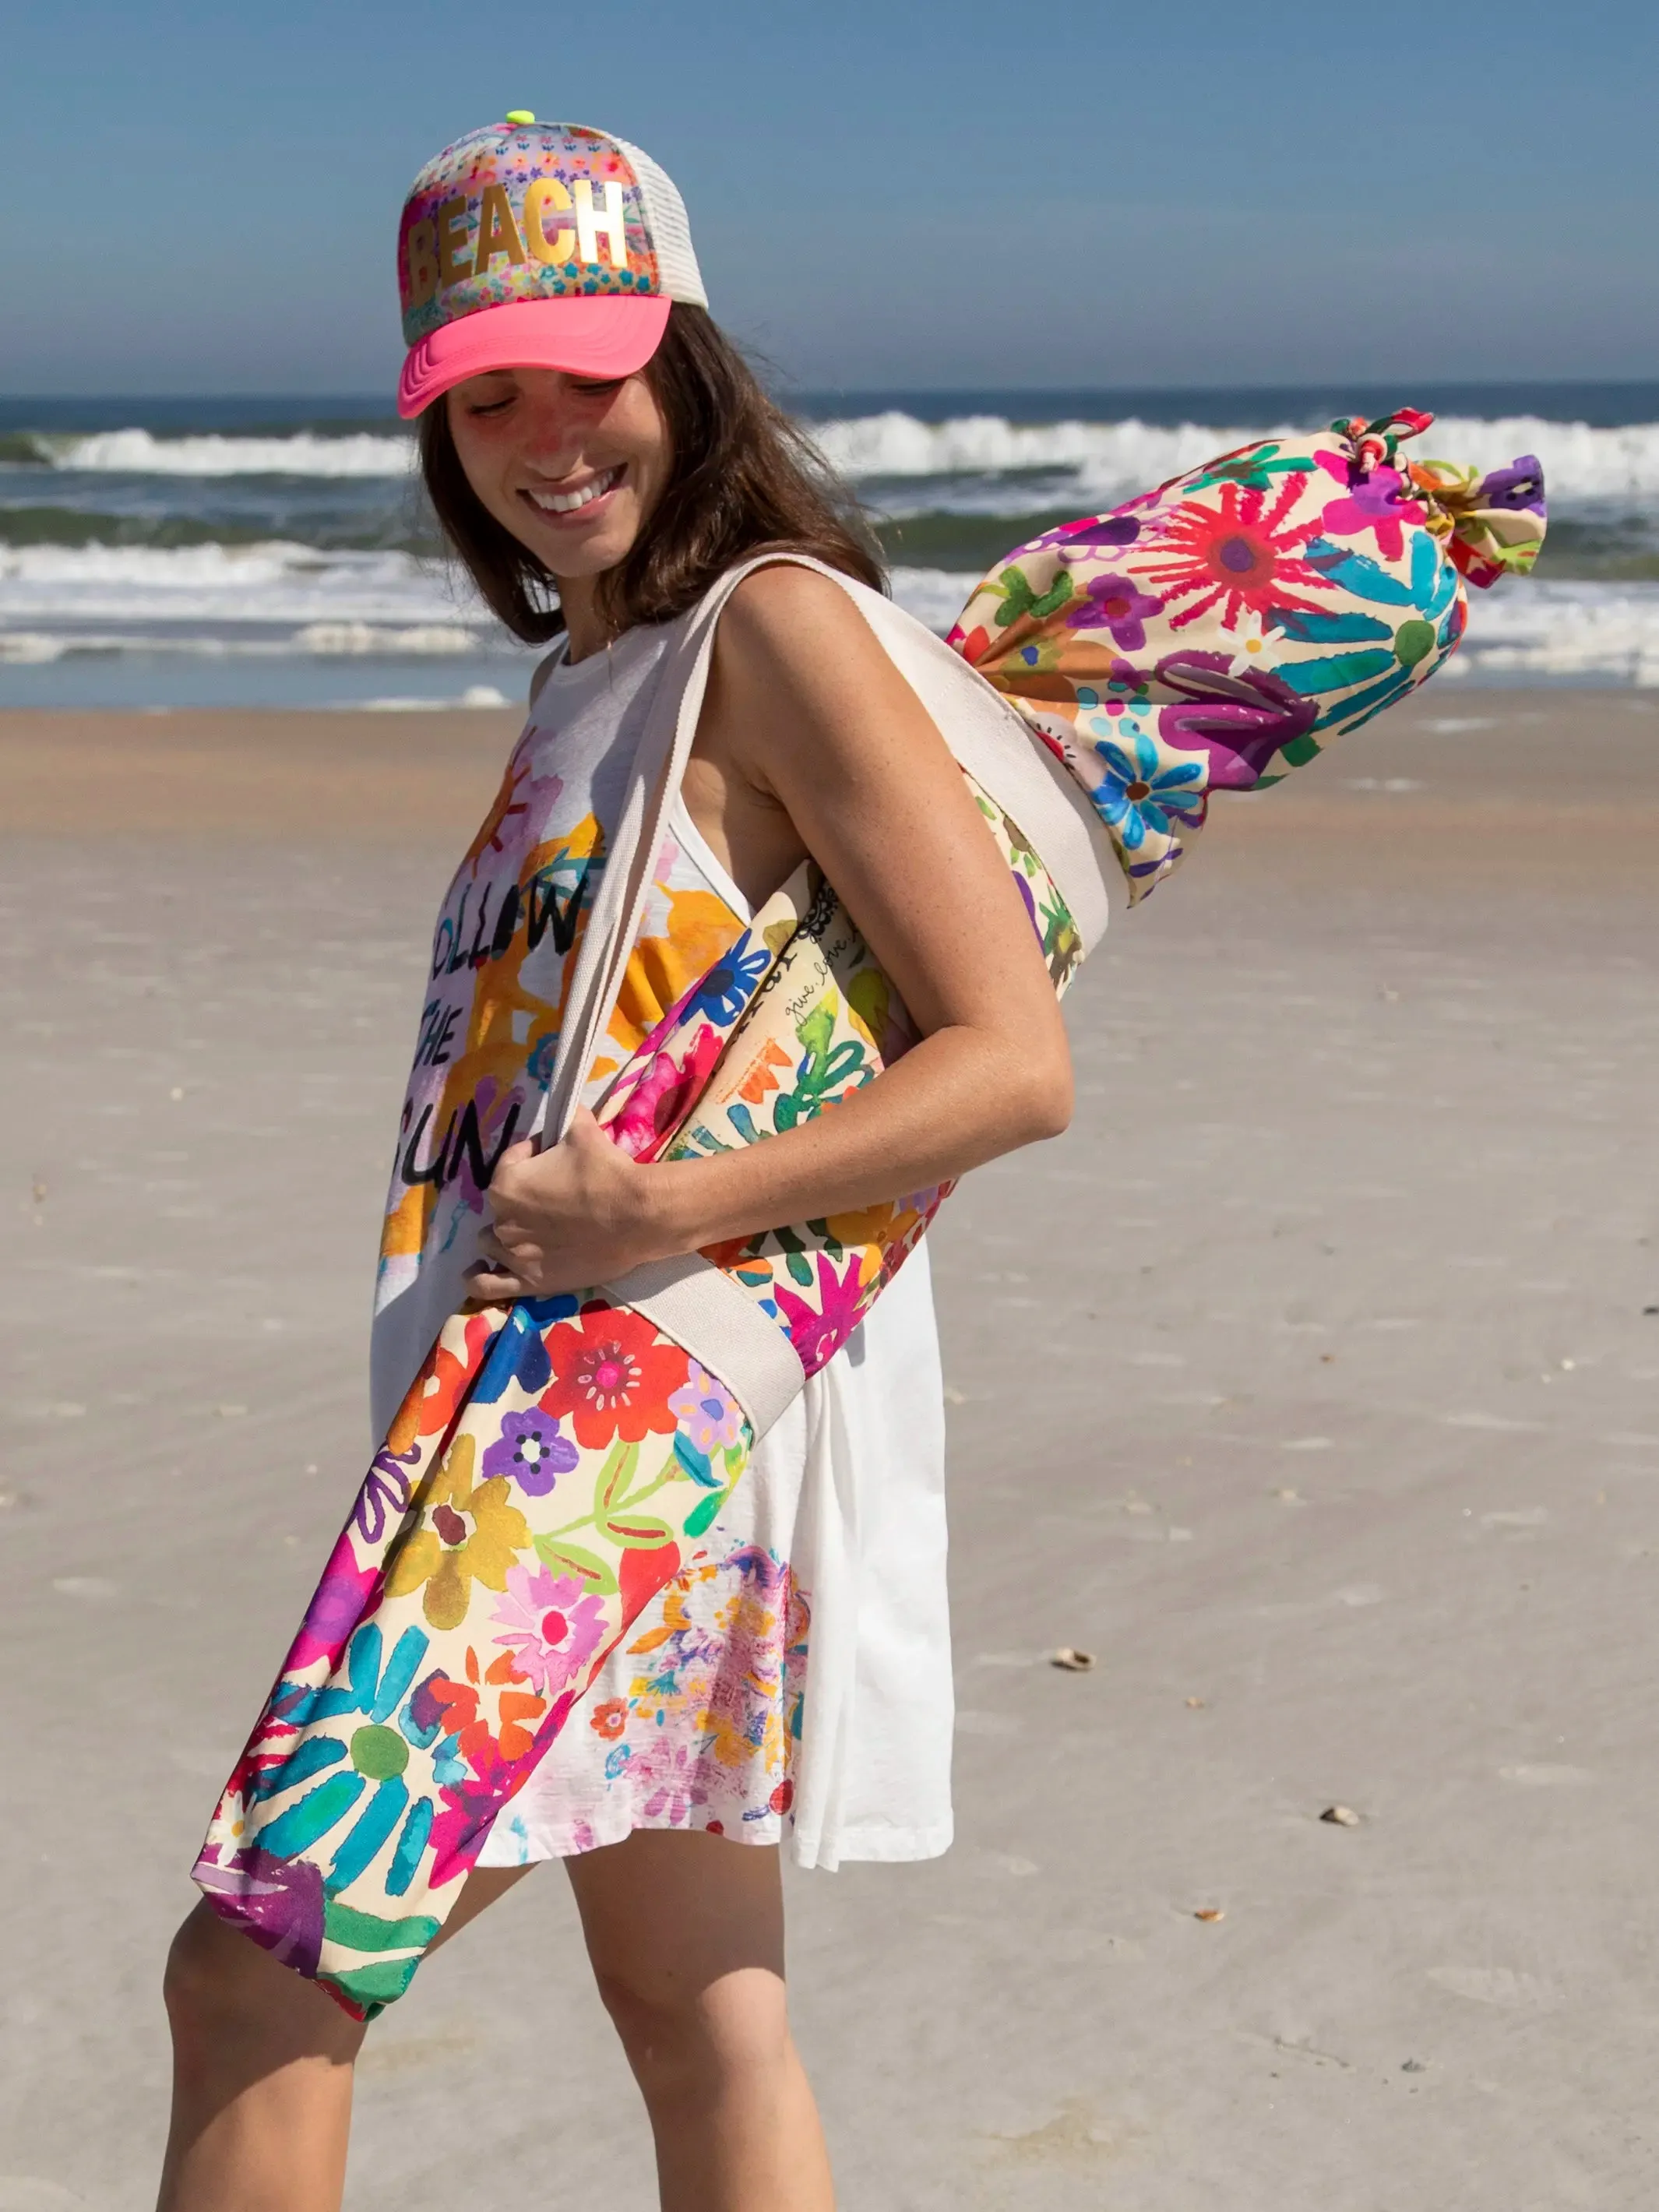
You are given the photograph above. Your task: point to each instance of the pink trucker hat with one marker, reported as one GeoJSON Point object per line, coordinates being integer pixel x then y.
{"type": "Point", "coordinates": [530, 245]}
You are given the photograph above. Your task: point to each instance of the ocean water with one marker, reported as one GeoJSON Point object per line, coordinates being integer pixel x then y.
{"type": "Point", "coordinates": [277, 552]}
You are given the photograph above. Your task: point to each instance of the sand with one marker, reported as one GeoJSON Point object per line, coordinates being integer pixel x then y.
{"type": "Point", "coordinates": [1312, 1381]}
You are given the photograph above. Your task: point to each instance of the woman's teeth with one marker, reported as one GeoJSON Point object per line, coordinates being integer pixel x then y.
{"type": "Point", "coordinates": [567, 502]}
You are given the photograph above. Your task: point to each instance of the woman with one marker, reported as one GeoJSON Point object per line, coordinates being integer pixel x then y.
{"type": "Point", "coordinates": [600, 456]}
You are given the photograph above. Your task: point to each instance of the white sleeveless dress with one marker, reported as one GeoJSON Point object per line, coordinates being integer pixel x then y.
{"type": "Point", "coordinates": [793, 1684]}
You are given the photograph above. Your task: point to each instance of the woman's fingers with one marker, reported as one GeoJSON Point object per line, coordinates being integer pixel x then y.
{"type": "Point", "coordinates": [491, 1286]}
{"type": "Point", "coordinates": [490, 1244]}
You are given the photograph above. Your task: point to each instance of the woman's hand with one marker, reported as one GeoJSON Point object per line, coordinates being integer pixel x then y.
{"type": "Point", "coordinates": [568, 1219]}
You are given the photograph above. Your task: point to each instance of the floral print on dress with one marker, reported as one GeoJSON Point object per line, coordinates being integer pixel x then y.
{"type": "Point", "coordinates": [713, 1717]}
{"type": "Point", "coordinates": [706, 1734]}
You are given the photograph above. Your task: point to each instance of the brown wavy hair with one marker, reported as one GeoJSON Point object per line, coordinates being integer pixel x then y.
{"type": "Point", "coordinates": [743, 479]}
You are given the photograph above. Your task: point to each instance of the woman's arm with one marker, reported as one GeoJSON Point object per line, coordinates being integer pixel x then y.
{"type": "Point", "coordinates": [810, 741]}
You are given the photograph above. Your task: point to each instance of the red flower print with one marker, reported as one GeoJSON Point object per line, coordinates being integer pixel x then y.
{"type": "Point", "coordinates": [438, 1389]}
{"type": "Point", "coordinates": [1234, 554]}
{"type": "Point", "coordinates": [612, 1376]}
{"type": "Point", "coordinates": [610, 1719]}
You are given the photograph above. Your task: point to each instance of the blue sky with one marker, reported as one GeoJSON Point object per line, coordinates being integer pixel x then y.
{"type": "Point", "coordinates": [989, 192]}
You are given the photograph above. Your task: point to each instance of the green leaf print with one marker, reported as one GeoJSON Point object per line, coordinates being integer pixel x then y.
{"type": "Point", "coordinates": [367, 1931]}
{"type": "Point", "coordinates": [615, 1475]}
{"type": "Point", "coordinates": [701, 1519]}
{"type": "Point", "coordinates": [568, 1558]}
{"type": "Point", "coordinates": [1018, 598]}
{"type": "Point", "coordinates": [1254, 471]}
{"type": "Point", "coordinates": [817, 1030]}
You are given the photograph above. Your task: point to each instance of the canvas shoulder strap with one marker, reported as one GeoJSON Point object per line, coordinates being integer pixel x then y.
{"type": "Point", "coordinates": [688, 1297]}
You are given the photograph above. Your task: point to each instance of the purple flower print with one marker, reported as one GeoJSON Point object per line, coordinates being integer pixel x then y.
{"type": "Point", "coordinates": [675, 1774]}
{"type": "Point", "coordinates": [1378, 501]}
{"type": "Point", "coordinates": [1519, 488]}
{"type": "Point", "coordinates": [346, 1594]}
{"type": "Point", "coordinates": [277, 1902]}
{"type": "Point", "coordinates": [1240, 720]}
{"type": "Point", "coordinates": [708, 1412]}
{"type": "Point", "coordinates": [1103, 529]}
{"type": "Point", "coordinates": [532, 1452]}
{"type": "Point", "coordinates": [1114, 604]}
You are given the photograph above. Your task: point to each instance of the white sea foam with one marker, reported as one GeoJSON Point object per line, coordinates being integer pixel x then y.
{"type": "Point", "coordinates": [313, 641]}
{"type": "Point", "coordinates": [934, 596]}
{"type": "Point", "coordinates": [476, 695]}
{"type": "Point", "coordinates": [1113, 460]}
{"type": "Point", "coordinates": [1606, 631]}
{"type": "Point", "coordinates": [44, 586]}
{"type": "Point", "coordinates": [1138, 454]}
{"type": "Point", "coordinates": [292, 601]}
{"type": "Point", "coordinates": [139, 452]}
{"type": "Point", "coordinates": [1102, 460]}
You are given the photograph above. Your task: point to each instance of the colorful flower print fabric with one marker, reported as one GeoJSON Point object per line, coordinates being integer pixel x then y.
{"type": "Point", "coordinates": [546, 1477]}
{"type": "Point", "coordinates": [796, 1016]}
{"type": "Point", "coordinates": [505, 947]}
{"type": "Point", "coordinates": [1215, 634]}
{"type": "Point", "coordinates": [553, 1466]}
{"type": "Point", "coordinates": [704, 1731]}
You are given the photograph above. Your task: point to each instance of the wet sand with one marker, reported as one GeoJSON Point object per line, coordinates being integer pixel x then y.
{"type": "Point", "coordinates": [1312, 1381]}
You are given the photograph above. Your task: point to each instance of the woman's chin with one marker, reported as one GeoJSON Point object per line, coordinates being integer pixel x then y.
{"type": "Point", "coordinates": [584, 547]}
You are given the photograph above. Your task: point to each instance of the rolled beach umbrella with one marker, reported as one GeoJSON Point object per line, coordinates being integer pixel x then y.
{"type": "Point", "coordinates": [1215, 634]}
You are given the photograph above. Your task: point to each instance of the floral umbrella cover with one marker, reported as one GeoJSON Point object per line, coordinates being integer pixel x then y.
{"type": "Point", "coordinates": [1213, 633]}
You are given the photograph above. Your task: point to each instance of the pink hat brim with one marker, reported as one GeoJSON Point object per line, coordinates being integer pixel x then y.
{"type": "Point", "coordinates": [601, 334]}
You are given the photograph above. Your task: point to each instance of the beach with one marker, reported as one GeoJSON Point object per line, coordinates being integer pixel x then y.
{"type": "Point", "coordinates": [1311, 1382]}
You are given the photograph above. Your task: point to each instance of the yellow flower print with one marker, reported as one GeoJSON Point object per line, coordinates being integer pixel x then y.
{"type": "Point", "coordinates": [466, 1533]}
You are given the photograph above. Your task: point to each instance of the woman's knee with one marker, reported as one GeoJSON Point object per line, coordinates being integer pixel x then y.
{"type": "Point", "coordinates": [682, 2037]}
{"type": "Point", "coordinates": [202, 1980]}
{"type": "Point", "coordinates": [223, 1993]}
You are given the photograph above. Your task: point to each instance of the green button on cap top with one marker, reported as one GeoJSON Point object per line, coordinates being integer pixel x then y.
{"type": "Point", "coordinates": [520, 115]}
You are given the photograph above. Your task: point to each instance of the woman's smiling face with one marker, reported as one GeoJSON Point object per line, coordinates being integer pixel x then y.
{"type": "Point", "coordinates": [573, 469]}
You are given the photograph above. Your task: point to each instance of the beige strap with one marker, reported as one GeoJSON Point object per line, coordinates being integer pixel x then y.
{"type": "Point", "coordinates": [688, 1297]}
{"type": "Point", "coordinates": [654, 777]}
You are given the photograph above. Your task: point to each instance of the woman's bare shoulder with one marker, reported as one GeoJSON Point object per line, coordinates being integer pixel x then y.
{"type": "Point", "coordinates": [784, 611]}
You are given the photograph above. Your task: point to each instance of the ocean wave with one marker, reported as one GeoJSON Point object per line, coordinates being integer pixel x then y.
{"type": "Point", "coordinates": [311, 640]}
{"type": "Point", "coordinates": [1083, 461]}
{"type": "Point", "coordinates": [476, 695]}
{"type": "Point", "coordinates": [933, 596]}
{"type": "Point", "coordinates": [45, 586]}
{"type": "Point", "coordinates": [1604, 632]}
{"type": "Point", "coordinates": [276, 600]}
{"type": "Point", "coordinates": [1113, 460]}
{"type": "Point", "coordinates": [305, 453]}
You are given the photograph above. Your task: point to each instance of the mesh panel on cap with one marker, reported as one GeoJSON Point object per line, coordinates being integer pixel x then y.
{"type": "Point", "coordinates": [671, 234]}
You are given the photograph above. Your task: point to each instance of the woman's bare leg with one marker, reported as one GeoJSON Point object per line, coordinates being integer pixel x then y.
{"type": "Point", "coordinates": [262, 2064]}
{"type": "Point", "coordinates": [685, 1933]}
